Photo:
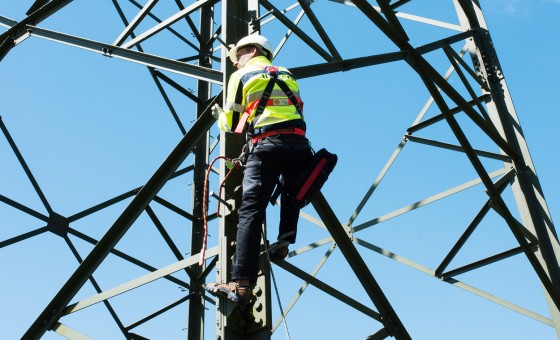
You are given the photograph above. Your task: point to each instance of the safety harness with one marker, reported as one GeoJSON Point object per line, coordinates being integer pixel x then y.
{"type": "Point", "coordinates": [265, 100]}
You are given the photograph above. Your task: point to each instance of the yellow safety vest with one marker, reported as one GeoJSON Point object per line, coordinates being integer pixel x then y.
{"type": "Point", "coordinates": [244, 91]}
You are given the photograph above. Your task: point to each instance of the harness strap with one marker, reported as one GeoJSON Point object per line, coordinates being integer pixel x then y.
{"type": "Point", "coordinates": [264, 101]}
{"type": "Point", "coordinates": [286, 131]}
{"type": "Point", "coordinates": [290, 95]}
{"type": "Point", "coordinates": [273, 72]}
{"type": "Point", "coordinates": [242, 121]}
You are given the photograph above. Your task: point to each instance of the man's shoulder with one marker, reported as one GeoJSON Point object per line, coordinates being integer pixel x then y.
{"type": "Point", "coordinates": [249, 69]}
{"type": "Point", "coordinates": [255, 66]}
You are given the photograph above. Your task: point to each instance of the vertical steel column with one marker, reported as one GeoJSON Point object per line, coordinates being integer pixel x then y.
{"type": "Point", "coordinates": [230, 146]}
{"type": "Point", "coordinates": [526, 187]}
{"type": "Point", "coordinates": [260, 325]}
{"type": "Point", "coordinates": [196, 302]}
{"type": "Point", "coordinates": [232, 322]}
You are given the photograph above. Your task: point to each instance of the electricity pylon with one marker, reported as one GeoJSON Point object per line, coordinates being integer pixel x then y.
{"type": "Point", "coordinates": [469, 113]}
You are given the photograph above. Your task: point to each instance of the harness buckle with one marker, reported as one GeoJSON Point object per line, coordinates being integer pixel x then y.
{"type": "Point", "coordinates": [272, 71]}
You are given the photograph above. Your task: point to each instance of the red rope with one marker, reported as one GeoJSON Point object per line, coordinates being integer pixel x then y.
{"type": "Point", "coordinates": [236, 164]}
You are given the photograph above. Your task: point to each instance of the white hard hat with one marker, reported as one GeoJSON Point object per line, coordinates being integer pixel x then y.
{"type": "Point", "coordinates": [260, 42]}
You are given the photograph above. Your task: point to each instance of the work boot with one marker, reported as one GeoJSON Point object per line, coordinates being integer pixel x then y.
{"type": "Point", "coordinates": [231, 291]}
{"type": "Point", "coordinates": [278, 251]}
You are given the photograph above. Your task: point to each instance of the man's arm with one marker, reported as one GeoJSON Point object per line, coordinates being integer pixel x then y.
{"type": "Point", "coordinates": [229, 117]}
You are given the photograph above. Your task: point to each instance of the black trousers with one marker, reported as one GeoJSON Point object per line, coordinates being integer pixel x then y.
{"type": "Point", "coordinates": [285, 155]}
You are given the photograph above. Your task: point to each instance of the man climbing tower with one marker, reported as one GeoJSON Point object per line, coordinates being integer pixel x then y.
{"type": "Point", "coordinates": [264, 100]}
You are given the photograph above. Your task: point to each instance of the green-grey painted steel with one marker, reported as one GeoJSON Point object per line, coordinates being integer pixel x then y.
{"type": "Point", "coordinates": [197, 307]}
{"type": "Point", "coordinates": [9, 38]}
{"type": "Point", "coordinates": [526, 188]}
{"type": "Point", "coordinates": [535, 232]}
{"type": "Point", "coordinates": [55, 308]}
{"type": "Point", "coordinates": [390, 319]}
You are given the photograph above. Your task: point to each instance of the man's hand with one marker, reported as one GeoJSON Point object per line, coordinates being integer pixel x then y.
{"type": "Point", "coordinates": [216, 111]}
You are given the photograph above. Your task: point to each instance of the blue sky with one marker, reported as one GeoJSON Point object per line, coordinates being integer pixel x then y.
{"type": "Point", "coordinates": [92, 127]}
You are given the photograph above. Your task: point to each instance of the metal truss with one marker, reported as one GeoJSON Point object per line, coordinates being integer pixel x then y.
{"type": "Point", "coordinates": [477, 106]}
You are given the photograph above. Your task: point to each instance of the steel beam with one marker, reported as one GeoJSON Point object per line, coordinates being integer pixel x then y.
{"type": "Point", "coordinates": [353, 63]}
{"type": "Point", "coordinates": [8, 39]}
{"type": "Point", "coordinates": [199, 193]}
{"type": "Point", "coordinates": [239, 324]}
{"type": "Point", "coordinates": [425, 201]}
{"type": "Point", "coordinates": [55, 308]}
{"type": "Point", "coordinates": [126, 257]}
{"type": "Point", "coordinates": [390, 319]}
{"type": "Point", "coordinates": [500, 124]}
{"type": "Point", "coordinates": [526, 187]}
{"type": "Point", "coordinates": [158, 20]}
{"type": "Point", "coordinates": [25, 167]}
{"type": "Point", "coordinates": [126, 54]}
{"type": "Point", "coordinates": [170, 21]}
{"type": "Point", "coordinates": [431, 78]}
{"type": "Point", "coordinates": [137, 282]}
{"type": "Point", "coordinates": [312, 280]}
{"type": "Point", "coordinates": [135, 22]}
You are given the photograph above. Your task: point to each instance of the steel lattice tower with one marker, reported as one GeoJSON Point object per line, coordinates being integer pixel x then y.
{"type": "Point", "coordinates": [133, 245]}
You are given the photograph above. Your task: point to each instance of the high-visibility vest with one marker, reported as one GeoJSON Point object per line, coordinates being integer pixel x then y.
{"type": "Point", "coordinates": [245, 89]}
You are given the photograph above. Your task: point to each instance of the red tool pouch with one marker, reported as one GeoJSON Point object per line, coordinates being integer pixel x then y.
{"type": "Point", "coordinates": [316, 174]}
